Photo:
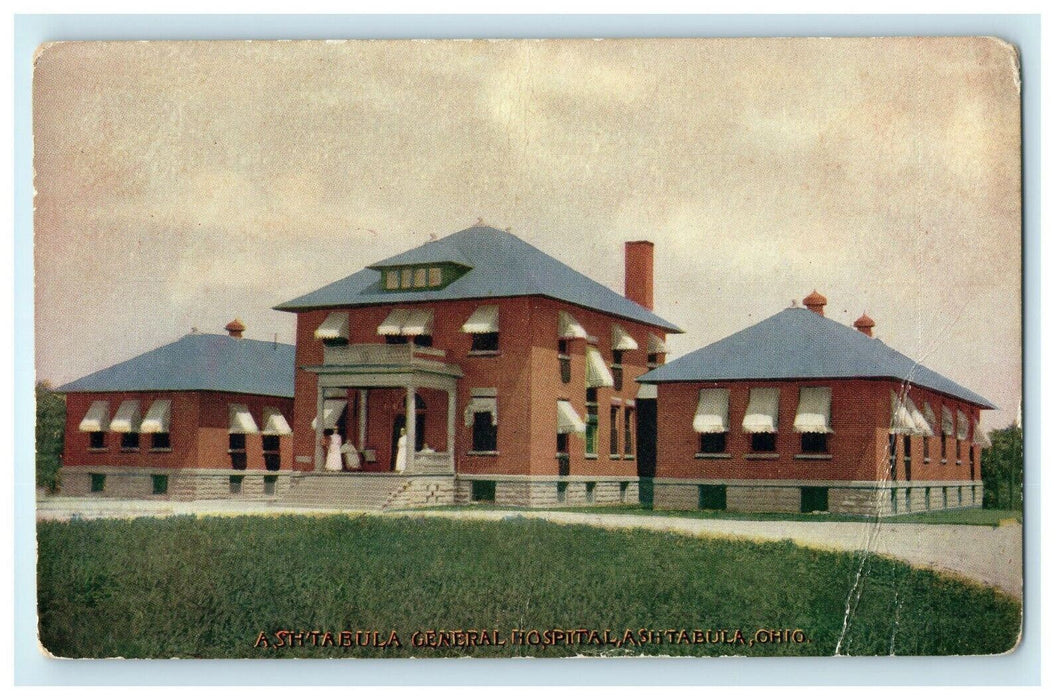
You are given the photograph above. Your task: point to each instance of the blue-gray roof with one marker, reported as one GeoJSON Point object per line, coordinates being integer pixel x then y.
{"type": "Point", "coordinates": [502, 266]}
{"type": "Point", "coordinates": [801, 344]}
{"type": "Point", "coordinates": [201, 362]}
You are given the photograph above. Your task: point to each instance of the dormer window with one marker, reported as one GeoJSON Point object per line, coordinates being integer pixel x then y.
{"type": "Point", "coordinates": [433, 276]}
{"type": "Point", "coordinates": [391, 279]}
{"type": "Point", "coordinates": [420, 277]}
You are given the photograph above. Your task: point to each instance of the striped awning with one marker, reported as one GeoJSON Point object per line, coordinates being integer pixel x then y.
{"type": "Point", "coordinates": [568, 420]}
{"type": "Point", "coordinates": [568, 328]}
{"type": "Point", "coordinates": [947, 426]}
{"type": "Point", "coordinates": [657, 346]}
{"type": "Point", "coordinates": [980, 436]}
{"type": "Point", "coordinates": [483, 320]}
{"type": "Point", "coordinates": [621, 340]}
{"type": "Point", "coordinates": [902, 422]}
{"type": "Point", "coordinates": [931, 418]}
{"type": "Point", "coordinates": [597, 372]}
{"type": "Point", "coordinates": [963, 429]}
{"type": "Point", "coordinates": [335, 327]}
{"type": "Point", "coordinates": [157, 419]}
{"type": "Point", "coordinates": [274, 422]}
{"type": "Point", "coordinates": [762, 413]}
{"type": "Point", "coordinates": [127, 418]}
{"type": "Point", "coordinates": [95, 420]}
{"type": "Point", "coordinates": [813, 410]}
{"type": "Point", "coordinates": [332, 410]}
{"type": "Point", "coordinates": [408, 322]}
{"type": "Point", "coordinates": [713, 411]}
{"type": "Point", "coordinates": [922, 426]}
{"type": "Point", "coordinates": [241, 420]}
{"type": "Point", "coordinates": [481, 404]}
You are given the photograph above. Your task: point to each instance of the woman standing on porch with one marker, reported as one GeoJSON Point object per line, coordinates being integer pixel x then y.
{"type": "Point", "coordinates": [400, 452]}
{"type": "Point", "coordinates": [334, 459]}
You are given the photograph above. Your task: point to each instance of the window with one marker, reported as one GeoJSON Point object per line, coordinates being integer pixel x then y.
{"type": "Point", "coordinates": [395, 340]}
{"type": "Point", "coordinates": [420, 277]}
{"type": "Point", "coordinates": [160, 441]}
{"type": "Point", "coordinates": [565, 360]}
{"type": "Point", "coordinates": [958, 455]}
{"type": "Point", "coordinates": [925, 450]}
{"type": "Point", "coordinates": [484, 432]}
{"type": "Point", "coordinates": [628, 432]}
{"type": "Point", "coordinates": [892, 456]}
{"type": "Point", "coordinates": [562, 491]}
{"type": "Point", "coordinates": [97, 440]}
{"type": "Point", "coordinates": [391, 279]}
{"type": "Point", "coordinates": [563, 458]}
{"type": "Point", "coordinates": [99, 481]}
{"type": "Point", "coordinates": [435, 276]}
{"type": "Point", "coordinates": [815, 443]}
{"type": "Point", "coordinates": [236, 484]}
{"type": "Point", "coordinates": [484, 342]}
{"type": "Point", "coordinates": [271, 443]}
{"type": "Point", "coordinates": [617, 369]}
{"type": "Point", "coordinates": [423, 341]}
{"type": "Point", "coordinates": [712, 497]}
{"type": "Point", "coordinates": [591, 422]}
{"type": "Point", "coordinates": [654, 360]}
{"type": "Point", "coordinates": [238, 451]}
{"type": "Point", "coordinates": [623, 491]}
{"type": "Point", "coordinates": [483, 491]}
{"type": "Point", "coordinates": [762, 442]}
{"type": "Point", "coordinates": [160, 484]}
{"type": "Point", "coordinates": [269, 485]}
{"type": "Point", "coordinates": [814, 499]}
{"type": "Point", "coordinates": [613, 433]}
{"type": "Point", "coordinates": [130, 441]}
{"type": "Point", "coordinates": [907, 499]}
{"type": "Point", "coordinates": [713, 443]}
{"type": "Point", "coordinates": [407, 278]}
{"type": "Point", "coordinates": [590, 491]}
{"type": "Point", "coordinates": [907, 457]}
{"type": "Point", "coordinates": [271, 452]}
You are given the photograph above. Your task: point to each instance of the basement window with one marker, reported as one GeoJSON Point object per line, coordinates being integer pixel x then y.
{"type": "Point", "coordinates": [814, 499]}
{"type": "Point", "coordinates": [235, 484]}
{"type": "Point", "coordinates": [269, 485]}
{"type": "Point", "coordinates": [160, 484]}
{"type": "Point", "coordinates": [712, 497]}
{"type": "Point", "coordinates": [99, 482]}
{"type": "Point", "coordinates": [483, 491]}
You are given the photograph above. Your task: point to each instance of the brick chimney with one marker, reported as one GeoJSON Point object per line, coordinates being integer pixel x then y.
{"type": "Point", "coordinates": [865, 325]}
{"type": "Point", "coordinates": [638, 278]}
{"type": "Point", "coordinates": [235, 328]}
{"type": "Point", "coordinates": [815, 302]}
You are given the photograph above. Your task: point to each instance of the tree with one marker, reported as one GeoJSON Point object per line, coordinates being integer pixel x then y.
{"type": "Point", "coordinates": [1002, 469]}
{"type": "Point", "coordinates": [51, 422]}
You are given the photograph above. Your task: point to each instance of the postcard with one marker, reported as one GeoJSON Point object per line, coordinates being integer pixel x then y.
{"type": "Point", "coordinates": [528, 348]}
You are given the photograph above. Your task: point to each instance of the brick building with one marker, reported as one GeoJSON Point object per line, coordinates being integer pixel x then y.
{"type": "Point", "coordinates": [207, 416]}
{"type": "Point", "coordinates": [475, 368]}
{"type": "Point", "coordinates": [802, 413]}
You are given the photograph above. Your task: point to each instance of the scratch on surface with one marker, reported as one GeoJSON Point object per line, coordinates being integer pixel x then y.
{"type": "Point", "coordinates": [898, 602]}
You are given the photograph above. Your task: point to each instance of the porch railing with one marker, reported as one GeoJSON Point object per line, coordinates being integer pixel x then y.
{"type": "Point", "coordinates": [369, 354]}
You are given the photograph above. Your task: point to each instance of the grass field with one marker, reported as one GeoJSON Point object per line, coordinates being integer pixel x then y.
{"type": "Point", "coordinates": [207, 588]}
{"type": "Point", "coordinates": [967, 516]}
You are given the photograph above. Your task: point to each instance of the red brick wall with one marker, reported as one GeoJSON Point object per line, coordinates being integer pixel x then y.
{"type": "Point", "coordinates": [860, 417]}
{"type": "Point", "coordinates": [525, 373]}
{"type": "Point", "coordinates": [214, 429]}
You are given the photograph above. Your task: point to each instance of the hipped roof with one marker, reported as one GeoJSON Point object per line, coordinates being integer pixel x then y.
{"type": "Point", "coordinates": [801, 344]}
{"type": "Point", "coordinates": [501, 265]}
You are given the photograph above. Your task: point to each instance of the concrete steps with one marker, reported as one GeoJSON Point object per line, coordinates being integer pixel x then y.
{"type": "Point", "coordinates": [354, 491]}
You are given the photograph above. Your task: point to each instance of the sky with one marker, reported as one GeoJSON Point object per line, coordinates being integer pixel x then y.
{"type": "Point", "coordinates": [182, 184]}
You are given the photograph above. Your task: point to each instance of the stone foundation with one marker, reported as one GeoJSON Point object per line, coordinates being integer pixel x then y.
{"type": "Point", "coordinates": [853, 497]}
{"type": "Point", "coordinates": [172, 484]}
{"type": "Point", "coordinates": [543, 492]}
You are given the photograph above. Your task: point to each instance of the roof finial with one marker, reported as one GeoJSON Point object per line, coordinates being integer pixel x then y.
{"type": "Point", "coordinates": [235, 328]}
{"type": "Point", "coordinates": [479, 221]}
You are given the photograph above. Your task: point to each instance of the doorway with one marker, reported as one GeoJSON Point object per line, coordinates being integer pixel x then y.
{"type": "Point", "coordinates": [400, 422]}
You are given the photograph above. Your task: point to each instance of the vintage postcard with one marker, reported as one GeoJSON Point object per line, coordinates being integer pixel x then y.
{"type": "Point", "coordinates": [669, 347]}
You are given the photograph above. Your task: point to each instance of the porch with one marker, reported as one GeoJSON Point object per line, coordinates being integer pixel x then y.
{"type": "Point", "coordinates": [368, 368]}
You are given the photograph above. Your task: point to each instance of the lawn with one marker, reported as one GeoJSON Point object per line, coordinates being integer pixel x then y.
{"type": "Point", "coordinates": [248, 586]}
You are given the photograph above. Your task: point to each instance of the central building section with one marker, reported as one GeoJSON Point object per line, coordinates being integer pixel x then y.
{"type": "Point", "coordinates": [480, 356]}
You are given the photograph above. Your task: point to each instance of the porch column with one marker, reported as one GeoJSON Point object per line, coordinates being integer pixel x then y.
{"type": "Point", "coordinates": [451, 426]}
{"type": "Point", "coordinates": [363, 417]}
{"type": "Point", "coordinates": [411, 426]}
{"type": "Point", "coordinates": [318, 450]}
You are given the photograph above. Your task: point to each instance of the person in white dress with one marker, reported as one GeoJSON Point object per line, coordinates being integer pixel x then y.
{"type": "Point", "coordinates": [350, 456]}
{"type": "Point", "coordinates": [334, 458]}
{"type": "Point", "coordinates": [400, 449]}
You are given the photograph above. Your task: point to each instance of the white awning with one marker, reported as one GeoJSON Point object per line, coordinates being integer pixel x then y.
{"type": "Point", "coordinates": [657, 346]}
{"type": "Point", "coordinates": [980, 436]}
{"type": "Point", "coordinates": [274, 422]}
{"type": "Point", "coordinates": [931, 418]}
{"type": "Point", "coordinates": [95, 420]}
{"type": "Point", "coordinates": [568, 421]}
{"type": "Point", "coordinates": [419, 322]}
{"type": "Point", "coordinates": [947, 427]}
{"type": "Point", "coordinates": [568, 327]}
{"type": "Point", "coordinates": [813, 410]}
{"type": "Point", "coordinates": [157, 419]}
{"type": "Point", "coordinates": [963, 431]}
{"type": "Point", "coordinates": [241, 420]}
{"type": "Point", "coordinates": [713, 411]}
{"type": "Point", "coordinates": [922, 426]}
{"type": "Point", "coordinates": [481, 404]}
{"type": "Point", "coordinates": [392, 325]}
{"type": "Point", "coordinates": [332, 410]}
{"type": "Point", "coordinates": [335, 327]}
{"type": "Point", "coordinates": [901, 423]}
{"type": "Point", "coordinates": [621, 340]}
{"type": "Point", "coordinates": [127, 418]}
{"type": "Point", "coordinates": [762, 413]}
{"type": "Point", "coordinates": [647, 391]}
{"type": "Point", "coordinates": [483, 320]}
{"type": "Point", "coordinates": [597, 372]}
